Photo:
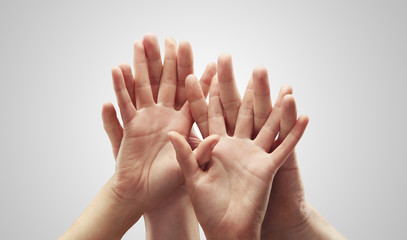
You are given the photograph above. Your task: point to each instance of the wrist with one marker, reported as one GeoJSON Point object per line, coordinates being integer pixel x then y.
{"type": "Point", "coordinates": [107, 217]}
{"type": "Point", "coordinates": [172, 218]}
{"type": "Point", "coordinates": [317, 227]}
{"type": "Point", "coordinates": [314, 226]}
{"type": "Point", "coordinates": [232, 233]}
{"type": "Point", "coordinates": [233, 236]}
{"type": "Point", "coordinates": [291, 221]}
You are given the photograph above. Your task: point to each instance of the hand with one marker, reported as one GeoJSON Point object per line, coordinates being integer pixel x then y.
{"type": "Point", "coordinates": [229, 187]}
{"type": "Point", "coordinates": [289, 215]}
{"type": "Point", "coordinates": [159, 218]}
{"type": "Point", "coordinates": [287, 207]}
{"type": "Point", "coordinates": [287, 210]}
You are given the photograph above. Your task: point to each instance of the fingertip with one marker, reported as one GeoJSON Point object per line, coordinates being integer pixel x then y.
{"type": "Point", "coordinates": [260, 72]}
{"type": "Point", "coordinates": [211, 65]}
{"type": "Point", "coordinates": [124, 67]}
{"type": "Point", "coordinates": [289, 115]}
{"type": "Point", "coordinates": [173, 138]}
{"type": "Point", "coordinates": [260, 81]}
{"type": "Point", "coordinates": [304, 119]}
{"type": "Point", "coordinates": [224, 59]}
{"type": "Point", "coordinates": [286, 89]}
{"type": "Point", "coordinates": [107, 105]}
{"type": "Point", "coordinates": [150, 38]}
{"type": "Point", "coordinates": [185, 49]}
{"type": "Point", "coordinates": [117, 76]}
{"type": "Point", "coordinates": [302, 123]}
{"type": "Point", "coordinates": [185, 54]}
{"type": "Point", "coordinates": [105, 109]}
{"type": "Point", "coordinates": [138, 44]}
{"type": "Point", "coordinates": [214, 139]}
{"type": "Point", "coordinates": [185, 45]}
{"type": "Point", "coordinates": [288, 100]}
{"type": "Point", "coordinates": [225, 70]}
{"type": "Point", "coordinates": [172, 135]}
{"type": "Point", "coordinates": [207, 76]}
{"type": "Point", "coordinates": [211, 68]}
{"type": "Point", "coordinates": [169, 41]}
{"type": "Point", "coordinates": [116, 72]}
{"type": "Point", "coordinates": [170, 51]}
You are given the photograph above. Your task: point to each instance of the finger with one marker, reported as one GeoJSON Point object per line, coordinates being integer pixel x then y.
{"type": "Point", "coordinates": [112, 127]}
{"type": "Point", "coordinates": [185, 66]}
{"type": "Point", "coordinates": [262, 101]}
{"type": "Point", "coordinates": [269, 131]}
{"type": "Point", "coordinates": [244, 123]}
{"type": "Point", "coordinates": [193, 139]}
{"type": "Point", "coordinates": [204, 151]}
{"type": "Point", "coordinates": [288, 116]}
{"type": "Point", "coordinates": [197, 104]}
{"type": "Point", "coordinates": [206, 78]}
{"type": "Point", "coordinates": [216, 121]}
{"type": "Point", "coordinates": [168, 85]}
{"type": "Point", "coordinates": [142, 88]}
{"type": "Point", "coordinates": [280, 154]}
{"type": "Point", "coordinates": [284, 90]}
{"type": "Point", "coordinates": [152, 50]}
{"type": "Point", "coordinates": [127, 110]}
{"type": "Point", "coordinates": [185, 110]}
{"type": "Point", "coordinates": [186, 159]}
{"type": "Point", "coordinates": [229, 94]}
{"type": "Point", "coordinates": [128, 80]}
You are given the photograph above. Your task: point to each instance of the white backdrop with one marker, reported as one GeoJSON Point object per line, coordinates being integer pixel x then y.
{"type": "Point", "coordinates": [346, 61]}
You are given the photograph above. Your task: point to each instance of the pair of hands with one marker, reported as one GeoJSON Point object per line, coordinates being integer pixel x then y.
{"type": "Point", "coordinates": [230, 173]}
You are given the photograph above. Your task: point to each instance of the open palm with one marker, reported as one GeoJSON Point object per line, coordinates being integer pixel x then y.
{"type": "Point", "coordinates": [229, 187]}
{"type": "Point", "coordinates": [146, 169]}
{"type": "Point", "coordinates": [287, 208]}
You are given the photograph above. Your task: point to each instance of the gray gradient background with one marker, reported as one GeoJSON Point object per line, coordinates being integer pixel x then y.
{"type": "Point", "coordinates": [345, 59]}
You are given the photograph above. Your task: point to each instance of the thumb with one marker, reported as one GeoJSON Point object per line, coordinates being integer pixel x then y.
{"type": "Point", "coordinates": [193, 139]}
{"type": "Point", "coordinates": [185, 157]}
{"type": "Point", "coordinates": [204, 150]}
{"type": "Point", "coordinates": [281, 153]}
{"type": "Point", "coordinates": [112, 127]}
{"type": "Point", "coordinates": [288, 117]}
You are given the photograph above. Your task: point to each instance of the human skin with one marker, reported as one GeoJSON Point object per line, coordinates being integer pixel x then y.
{"type": "Point", "coordinates": [159, 220]}
{"type": "Point", "coordinates": [289, 215]}
{"type": "Point", "coordinates": [229, 186]}
{"type": "Point", "coordinates": [146, 170]}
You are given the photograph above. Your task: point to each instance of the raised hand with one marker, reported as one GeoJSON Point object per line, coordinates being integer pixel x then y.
{"type": "Point", "coordinates": [159, 219]}
{"type": "Point", "coordinates": [146, 169]}
{"type": "Point", "coordinates": [287, 208]}
{"type": "Point", "coordinates": [229, 187]}
{"type": "Point", "coordinates": [289, 215]}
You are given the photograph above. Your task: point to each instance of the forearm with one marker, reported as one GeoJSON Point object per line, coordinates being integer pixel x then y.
{"type": "Point", "coordinates": [173, 218]}
{"type": "Point", "coordinates": [315, 227]}
{"type": "Point", "coordinates": [107, 217]}
{"type": "Point", "coordinates": [319, 228]}
{"type": "Point", "coordinates": [232, 234]}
